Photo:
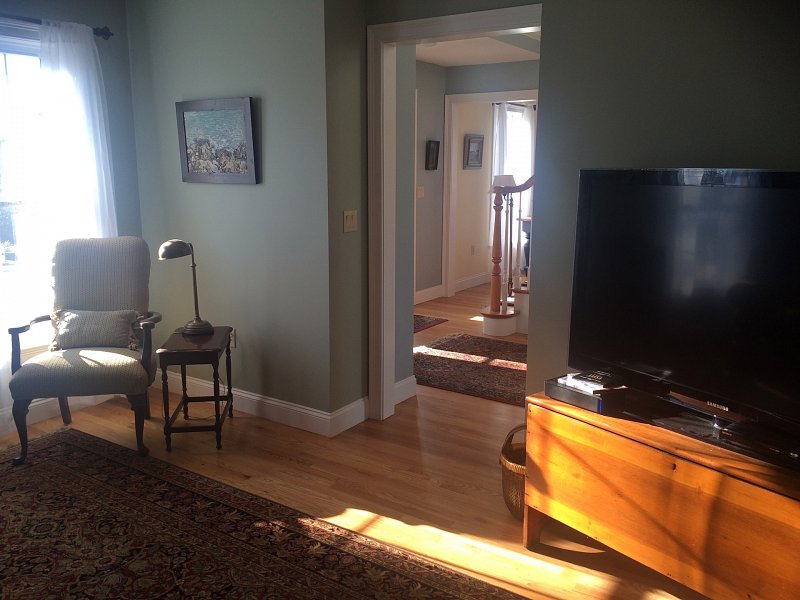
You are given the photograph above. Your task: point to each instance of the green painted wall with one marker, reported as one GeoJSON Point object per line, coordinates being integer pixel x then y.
{"type": "Point", "coordinates": [503, 77]}
{"type": "Point", "coordinates": [262, 250]}
{"type": "Point", "coordinates": [117, 82]}
{"type": "Point", "coordinates": [428, 215]}
{"type": "Point", "coordinates": [404, 220]}
{"type": "Point", "coordinates": [345, 65]}
{"type": "Point", "coordinates": [655, 84]}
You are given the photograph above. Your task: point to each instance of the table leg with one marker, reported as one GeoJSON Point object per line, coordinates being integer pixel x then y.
{"type": "Point", "coordinates": [165, 398]}
{"type": "Point", "coordinates": [217, 424]}
{"type": "Point", "coordinates": [532, 527]}
{"type": "Point", "coordinates": [185, 396]}
{"type": "Point", "coordinates": [165, 393]}
{"type": "Point", "coordinates": [228, 373]}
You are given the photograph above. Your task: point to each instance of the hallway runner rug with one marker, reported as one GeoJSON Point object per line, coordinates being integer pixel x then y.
{"type": "Point", "coordinates": [85, 518]}
{"type": "Point", "coordinates": [422, 322]}
{"type": "Point", "coordinates": [476, 366]}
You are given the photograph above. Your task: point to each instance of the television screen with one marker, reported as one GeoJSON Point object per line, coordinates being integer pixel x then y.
{"type": "Point", "coordinates": [690, 279]}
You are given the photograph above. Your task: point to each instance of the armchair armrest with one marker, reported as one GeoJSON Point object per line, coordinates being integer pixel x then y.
{"type": "Point", "coordinates": [16, 353]}
{"type": "Point", "coordinates": [150, 320]}
{"type": "Point", "coordinates": [147, 323]}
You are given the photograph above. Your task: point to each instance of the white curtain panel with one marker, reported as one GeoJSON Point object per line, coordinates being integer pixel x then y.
{"type": "Point", "coordinates": [76, 110]}
{"type": "Point", "coordinates": [59, 171]}
{"type": "Point", "coordinates": [498, 155]}
{"type": "Point", "coordinates": [512, 152]}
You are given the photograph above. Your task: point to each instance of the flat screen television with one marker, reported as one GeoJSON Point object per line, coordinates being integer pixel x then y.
{"type": "Point", "coordinates": [687, 282]}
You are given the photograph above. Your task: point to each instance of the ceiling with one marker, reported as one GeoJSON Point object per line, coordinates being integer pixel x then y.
{"type": "Point", "coordinates": [481, 51]}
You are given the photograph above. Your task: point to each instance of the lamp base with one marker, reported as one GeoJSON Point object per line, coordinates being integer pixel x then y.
{"type": "Point", "coordinates": [198, 327]}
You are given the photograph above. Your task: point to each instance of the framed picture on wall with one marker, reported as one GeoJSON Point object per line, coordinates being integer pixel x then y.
{"type": "Point", "coordinates": [431, 155]}
{"type": "Point", "coordinates": [473, 151]}
{"type": "Point", "coordinates": [216, 140]}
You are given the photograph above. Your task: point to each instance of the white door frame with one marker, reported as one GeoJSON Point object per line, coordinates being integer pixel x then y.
{"type": "Point", "coordinates": [381, 176]}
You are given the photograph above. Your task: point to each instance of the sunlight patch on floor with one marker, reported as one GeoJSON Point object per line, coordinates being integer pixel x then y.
{"type": "Point", "coordinates": [472, 556]}
{"type": "Point", "coordinates": [473, 358]}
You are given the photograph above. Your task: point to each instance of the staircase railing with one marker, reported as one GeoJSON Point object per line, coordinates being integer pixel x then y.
{"type": "Point", "coordinates": [500, 192]}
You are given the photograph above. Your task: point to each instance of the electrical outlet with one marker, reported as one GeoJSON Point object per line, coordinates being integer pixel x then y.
{"type": "Point", "coordinates": [233, 338]}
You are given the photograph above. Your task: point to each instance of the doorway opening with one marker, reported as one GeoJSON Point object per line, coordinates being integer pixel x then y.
{"type": "Point", "coordinates": [382, 44]}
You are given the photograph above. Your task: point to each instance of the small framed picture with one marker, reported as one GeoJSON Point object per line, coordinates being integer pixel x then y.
{"type": "Point", "coordinates": [431, 155]}
{"type": "Point", "coordinates": [473, 151]}
{"type": "Point", "coordinates": [216, 140]}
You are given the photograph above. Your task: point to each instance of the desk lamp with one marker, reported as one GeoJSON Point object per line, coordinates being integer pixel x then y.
{"type": "Point", "coordinates": [177, 249]}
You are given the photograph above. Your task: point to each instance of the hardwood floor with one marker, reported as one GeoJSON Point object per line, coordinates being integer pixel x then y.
{"type": "Point", "coordinates": [463, 314]}
{"type": "Point", "coordinates": [426, 479]}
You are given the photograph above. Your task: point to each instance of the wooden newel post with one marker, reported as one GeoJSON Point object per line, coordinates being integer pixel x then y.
{"type": "Point", "coordinates": [497, 252]}
{"type": "Point", "coordinates": [499, 317]}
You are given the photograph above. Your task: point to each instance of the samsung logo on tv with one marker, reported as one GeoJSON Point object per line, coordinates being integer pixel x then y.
{"type": "Point", "coordinates": [719, 406]}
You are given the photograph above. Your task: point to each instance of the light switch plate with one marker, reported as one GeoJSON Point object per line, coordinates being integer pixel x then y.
{"type": "Point", "coordinates": [350, 221]}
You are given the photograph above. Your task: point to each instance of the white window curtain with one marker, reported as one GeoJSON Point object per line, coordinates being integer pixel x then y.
{"type": "Point", "coordinates": [513, 155]}
{"type": "Point", "coordinates": [56, 165]}
{"type": "Point", "coordinates": [74, 137]}
{"type": "Point", "coordinates": [498, 156]}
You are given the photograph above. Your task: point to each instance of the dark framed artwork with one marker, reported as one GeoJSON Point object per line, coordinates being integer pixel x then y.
{"type": "Point", "coordinates": [216, 140]}
{"type": "Point", "coordinates": [431, 155]}
{"type": "Point", "coordinates": [473, 151]}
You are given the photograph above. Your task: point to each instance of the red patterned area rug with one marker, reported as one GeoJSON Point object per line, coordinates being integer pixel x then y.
{"type": "Point", "coordinates": [477, 366]}
{"type": "Point", "coordinates": [85, 518]}
{"type": "Point", "coordinates": [422, 322]}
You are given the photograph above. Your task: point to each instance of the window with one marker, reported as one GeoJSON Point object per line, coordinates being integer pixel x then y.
{"type": "Point", "coordinates": [19, 76]}
{"type": "Point", "coordinates": [55, 174]}
{"type": "Point", "coordinates": [513, 152]}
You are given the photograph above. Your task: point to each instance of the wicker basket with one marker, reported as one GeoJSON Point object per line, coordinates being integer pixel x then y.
{"type": "Point", "coordinates": [512, 463]}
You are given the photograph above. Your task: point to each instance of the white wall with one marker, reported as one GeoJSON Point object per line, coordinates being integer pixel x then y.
{"type": "Point", "coordinates": [472, 201]}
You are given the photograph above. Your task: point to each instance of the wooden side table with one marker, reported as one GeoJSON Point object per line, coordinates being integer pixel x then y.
{"type": "Point", "coordinates": [186, 350]}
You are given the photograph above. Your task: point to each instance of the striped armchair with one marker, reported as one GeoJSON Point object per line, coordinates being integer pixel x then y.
{"type": "Point", "coordinates": [102, 332]}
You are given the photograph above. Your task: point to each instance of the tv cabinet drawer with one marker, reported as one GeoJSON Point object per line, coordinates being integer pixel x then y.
{"type": "Point", "coordinates": [675, 504]}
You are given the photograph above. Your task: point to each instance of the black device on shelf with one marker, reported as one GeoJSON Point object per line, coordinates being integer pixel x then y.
{"type": "Point", "coordinates": [686, 288]}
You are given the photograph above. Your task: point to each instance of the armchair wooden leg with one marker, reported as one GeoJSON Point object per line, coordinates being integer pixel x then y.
{"type": "Point", "coordinates": [20, 413]}
{"type": "Point", "coordinates": [63, 404]}
{"type": "Point", "coordinates": [138, 404]}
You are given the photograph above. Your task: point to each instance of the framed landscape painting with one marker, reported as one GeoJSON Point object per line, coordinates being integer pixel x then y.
{"type": "Point", "coordinates": [216, 140]}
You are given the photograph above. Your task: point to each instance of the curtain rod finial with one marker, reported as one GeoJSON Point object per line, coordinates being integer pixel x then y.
{"type": "Point", "coordinates": [103, 32]}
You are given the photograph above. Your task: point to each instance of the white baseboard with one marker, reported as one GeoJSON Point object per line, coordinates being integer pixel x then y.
{"type": "Point", "coordinates": [328, 424]}
{"type": "Point", "coordinates": [317, 421]}
{"type": "Point", "coordinates": [429, 294]}
{"type": "Point", "coordinates": [472, 281]}
{"type": "Point", "coordinates": [403, 390]}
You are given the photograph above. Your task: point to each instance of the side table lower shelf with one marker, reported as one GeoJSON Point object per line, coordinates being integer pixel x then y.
{"type": "Point", "coordinates": [184, 350]}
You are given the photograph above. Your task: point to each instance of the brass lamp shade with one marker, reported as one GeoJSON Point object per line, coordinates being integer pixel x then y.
{"type": "Point", "coordinates": [178, 249]}
{"type": "Point", "coordinates": [174, 249]}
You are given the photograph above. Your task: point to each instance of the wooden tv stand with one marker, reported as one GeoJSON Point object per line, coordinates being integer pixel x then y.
{"type": "Point", "coordinates": [719, 522]}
